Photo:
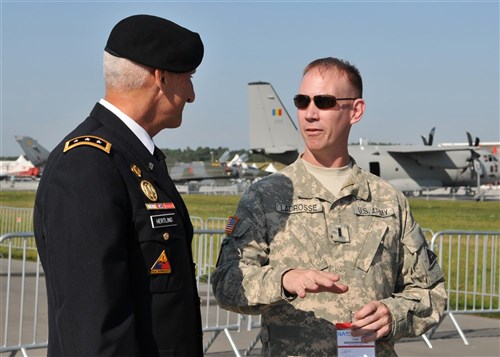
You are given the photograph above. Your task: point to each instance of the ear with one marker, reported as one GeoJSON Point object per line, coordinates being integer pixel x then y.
{"type": "Point", "coordinates": [160, 78]}
{"type": "Point", "coordinates": [358, 109]}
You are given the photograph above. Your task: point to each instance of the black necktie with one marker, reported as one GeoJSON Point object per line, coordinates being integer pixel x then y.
{"type": "Point", "coordinates": [171, 189]}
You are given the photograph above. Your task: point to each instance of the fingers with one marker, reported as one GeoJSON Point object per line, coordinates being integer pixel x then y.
{"type": "Point", "coordinates": [301, 282]}
{"type": "Point", "coordinates": [373, 321]}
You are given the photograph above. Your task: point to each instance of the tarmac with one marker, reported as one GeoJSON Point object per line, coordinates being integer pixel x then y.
{"type": "Point", "coordinates": [482, 335]}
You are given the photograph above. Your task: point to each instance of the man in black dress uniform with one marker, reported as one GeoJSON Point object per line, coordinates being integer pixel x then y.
{"type": "Point", "coordinates": [113, 233]}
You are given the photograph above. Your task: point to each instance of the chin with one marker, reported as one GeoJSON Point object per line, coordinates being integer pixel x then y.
{"type": "Point", "coordinates": [315, 145]}
{"type": "Point", "coordinates": [174, 123]}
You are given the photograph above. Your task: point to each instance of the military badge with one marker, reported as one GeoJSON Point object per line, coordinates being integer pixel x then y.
{"type": "Point", "coordinates": [149, 190]}
{"type": "Point", "coordinates": [341, 234]}
{"type": "Point", "coordinates": [137, 171]}
{"type": "Point", "coordinates": [157, 206]}
{"type": "Point", "coordinates": [299, 207]}
{"type": "Point", "coordinates": [370, 210]}
{"type": "Point", "coordinates": [231, 224]}
{"type": "Point", "coordinates": [88, 140]}
{"type": "Point", "coordinates": [163, 220]}
{"type": "Point", "coordinates": [162, 265]}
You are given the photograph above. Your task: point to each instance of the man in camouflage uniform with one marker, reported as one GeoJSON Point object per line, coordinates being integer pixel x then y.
{"type": "Point", "coordinates": [322, 220]}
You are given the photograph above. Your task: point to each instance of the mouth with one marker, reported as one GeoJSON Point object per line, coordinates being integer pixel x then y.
{"type": "Point", "coordinates": [312, 131]}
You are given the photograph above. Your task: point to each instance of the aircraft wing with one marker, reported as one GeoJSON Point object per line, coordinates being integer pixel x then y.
{"type": "Point", "coordinates": [196, 171]}
{"type": "Point", "coordinates": [410, 184]}
{"type": "Point", "coordinates": [438, 157]}
{"type": "Point", "coordinates": [201, 171]}
{"type": "Point", "coordinates": [280, 149]}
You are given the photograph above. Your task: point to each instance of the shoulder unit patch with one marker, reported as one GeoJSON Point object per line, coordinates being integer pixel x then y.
{"type": "Point", "coordinates": [88, 140]}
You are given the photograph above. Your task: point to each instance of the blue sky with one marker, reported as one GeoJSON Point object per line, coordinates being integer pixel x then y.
{"type": "Point", "coordinates": [424, 64]}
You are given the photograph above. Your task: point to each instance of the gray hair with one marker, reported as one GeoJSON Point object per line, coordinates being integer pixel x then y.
{"type": "Point", "coordinates": [121, 73]}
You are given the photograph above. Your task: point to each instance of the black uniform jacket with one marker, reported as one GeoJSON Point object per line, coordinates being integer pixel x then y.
{"type": "Point", "coordinates": [117, 258]}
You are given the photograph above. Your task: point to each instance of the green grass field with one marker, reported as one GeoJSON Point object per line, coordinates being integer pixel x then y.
{"type": "Point", "coordinates": [436, 215]}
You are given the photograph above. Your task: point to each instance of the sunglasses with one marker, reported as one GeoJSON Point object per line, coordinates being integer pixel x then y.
{"type": "Point", "coordinates": [324, 101]}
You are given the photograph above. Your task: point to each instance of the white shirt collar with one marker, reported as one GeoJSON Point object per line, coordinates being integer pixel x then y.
{"type": "Point", "coordinates": [138, 130]}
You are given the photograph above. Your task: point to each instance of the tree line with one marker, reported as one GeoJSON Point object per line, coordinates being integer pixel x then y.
{"type": "Point", "coordinates": [205, 154]}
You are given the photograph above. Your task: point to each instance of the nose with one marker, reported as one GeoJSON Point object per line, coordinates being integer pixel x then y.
{"type": "Point", "coordinates": [311, 112]}
{"type": "Point", "coordinates": [191, 96]}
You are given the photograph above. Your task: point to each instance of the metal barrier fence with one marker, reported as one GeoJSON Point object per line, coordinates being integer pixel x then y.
{"type": "Point", "coordinates": [24, 314]}
{"type": "Point", "coordinates": [470, 262]}
{"type": "Point", "coordinates": [24, 324]}
{"type": "Point", "coordinates": [14, 219]}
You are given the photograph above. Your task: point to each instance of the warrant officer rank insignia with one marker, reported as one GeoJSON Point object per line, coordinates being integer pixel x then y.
{"type": "Point", "coordinates": [149, 190]}
{"type": "Point", "coordinates": [162, 265]}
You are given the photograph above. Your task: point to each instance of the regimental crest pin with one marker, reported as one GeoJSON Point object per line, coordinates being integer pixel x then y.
{"type": "Point", "coordinates": [149, 190]}
{"type": "Point", "coordinates": [162, 265]}
{"type": "Point", "coordinates": [136, 170]}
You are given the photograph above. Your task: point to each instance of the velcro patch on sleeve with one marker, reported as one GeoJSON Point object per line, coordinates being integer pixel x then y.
{"type": "Point", "coordinates": [231, 224]}
{"type": "Point", "coordinates": [88, 140]}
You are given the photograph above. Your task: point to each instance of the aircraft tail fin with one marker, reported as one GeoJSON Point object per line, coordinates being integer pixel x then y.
{"type": "Point", "coordinates": [272, 130]}
{"type": "Point", "coordinates": [33, 151]}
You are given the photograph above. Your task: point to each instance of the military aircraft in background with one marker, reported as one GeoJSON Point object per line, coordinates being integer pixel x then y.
{"type": "Point", "coordinates": [34, 152]}
{"type": "Point", "coordinates": [223, 169]}
{"type": "Point", "coordinates": [411, 168]}
{"type": "Point", "coordinates": [18, 169]}
{"type": "Point", "coordinates": [29, 166]}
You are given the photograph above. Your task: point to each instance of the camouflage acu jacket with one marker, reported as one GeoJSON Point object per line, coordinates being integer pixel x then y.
{"type": "Point", "coordinates": [367, 235]}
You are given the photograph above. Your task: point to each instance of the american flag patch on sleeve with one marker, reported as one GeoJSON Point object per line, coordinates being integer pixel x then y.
{"type": "Point", "coordinates": [231, 224]}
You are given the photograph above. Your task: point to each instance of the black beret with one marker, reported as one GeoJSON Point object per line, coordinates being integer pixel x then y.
{"type": "Point", "coordinates": [157, 43]}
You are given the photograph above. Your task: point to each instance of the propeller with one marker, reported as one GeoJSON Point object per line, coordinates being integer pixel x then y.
{"type": "Point", "coordinates": [474, 157]}
{"type": "Point", "coordinates": [469, 139]}
{"type": "Point", "coordinates": [475, 165]}
{"type": "Point", "coordinates": [428, 141]}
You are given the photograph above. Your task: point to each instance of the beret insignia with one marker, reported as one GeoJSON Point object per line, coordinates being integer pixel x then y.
{"type": "Point", "coordinates": [88, 140]}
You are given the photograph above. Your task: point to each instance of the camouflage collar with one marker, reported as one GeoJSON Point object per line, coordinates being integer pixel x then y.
{"type": "Point", "coordinates": [356, 184]}
{"type": "Point", "coordinates": [309, 187]}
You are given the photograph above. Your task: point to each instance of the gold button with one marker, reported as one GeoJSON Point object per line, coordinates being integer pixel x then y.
{"type": "Point", "coordinates": [166, 236]}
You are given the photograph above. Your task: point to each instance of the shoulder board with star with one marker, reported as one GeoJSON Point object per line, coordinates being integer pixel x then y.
{"type": "Point", "coordinates": [88, 140]}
